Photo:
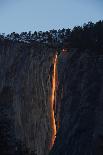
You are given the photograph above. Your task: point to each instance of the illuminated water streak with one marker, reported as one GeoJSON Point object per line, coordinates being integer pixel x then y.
{"type": "Point", "coordinates": [54, 78]}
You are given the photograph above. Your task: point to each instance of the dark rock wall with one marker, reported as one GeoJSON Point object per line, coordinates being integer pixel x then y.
{"type": "Point", "coordinates": [25, 90]}
{"type": "Point", "coordinates": [80, 77]}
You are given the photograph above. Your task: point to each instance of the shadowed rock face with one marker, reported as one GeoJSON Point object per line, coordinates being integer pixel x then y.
{"type": "Point", "coordinates": [24, 98]}
{"type": "Point", "coordinates": [81, 104]}
{"type": "Point", "coordinates": [25, 90]}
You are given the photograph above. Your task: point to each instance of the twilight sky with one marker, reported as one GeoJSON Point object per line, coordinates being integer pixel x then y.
{"type": "Point", "coordinates": [25, 15]}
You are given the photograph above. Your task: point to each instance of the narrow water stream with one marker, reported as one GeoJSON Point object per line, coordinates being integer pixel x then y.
{"type": "Point", "coordinates": [53, 97]}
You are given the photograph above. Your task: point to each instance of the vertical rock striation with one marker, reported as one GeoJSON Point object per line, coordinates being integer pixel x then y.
{"type": "Point", "coordinates": [81, 104]}
{"type": "Point", "coordinates": [25, 91]}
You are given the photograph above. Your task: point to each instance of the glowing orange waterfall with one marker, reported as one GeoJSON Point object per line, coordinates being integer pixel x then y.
{"type": "Point", "coordinates": [54, 80]}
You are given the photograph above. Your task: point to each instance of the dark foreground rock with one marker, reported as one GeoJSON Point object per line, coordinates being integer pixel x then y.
{"type": "Point", "coordinates": [81, 116]}
{"type": "Point", "coordinates": [24, 98]}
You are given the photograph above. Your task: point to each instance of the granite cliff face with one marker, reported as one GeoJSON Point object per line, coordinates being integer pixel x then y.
{"type": "Point", "coordinates": [80, 102]}
{"type": "Point", "coordinates": [25, 90]}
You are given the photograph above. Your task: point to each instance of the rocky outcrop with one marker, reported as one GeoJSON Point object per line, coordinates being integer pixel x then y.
{"type": "Point", "coordinates": [80, 100]}
{"type": "Point", "coordinates": [25, 90]}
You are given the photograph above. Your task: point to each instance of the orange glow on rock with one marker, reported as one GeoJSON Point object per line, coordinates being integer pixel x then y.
{"type": "Point", "coordinates": [64, 50]}
{"type": "Point", "coordinates": [54, 85]}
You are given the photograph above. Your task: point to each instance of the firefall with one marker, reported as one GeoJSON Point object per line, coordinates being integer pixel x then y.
{"type": "Point", "coordinates": [54, 77]}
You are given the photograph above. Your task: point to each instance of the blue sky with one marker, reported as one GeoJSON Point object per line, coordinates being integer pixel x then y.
{"type": "Point", "coordinates": [25, 15]}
